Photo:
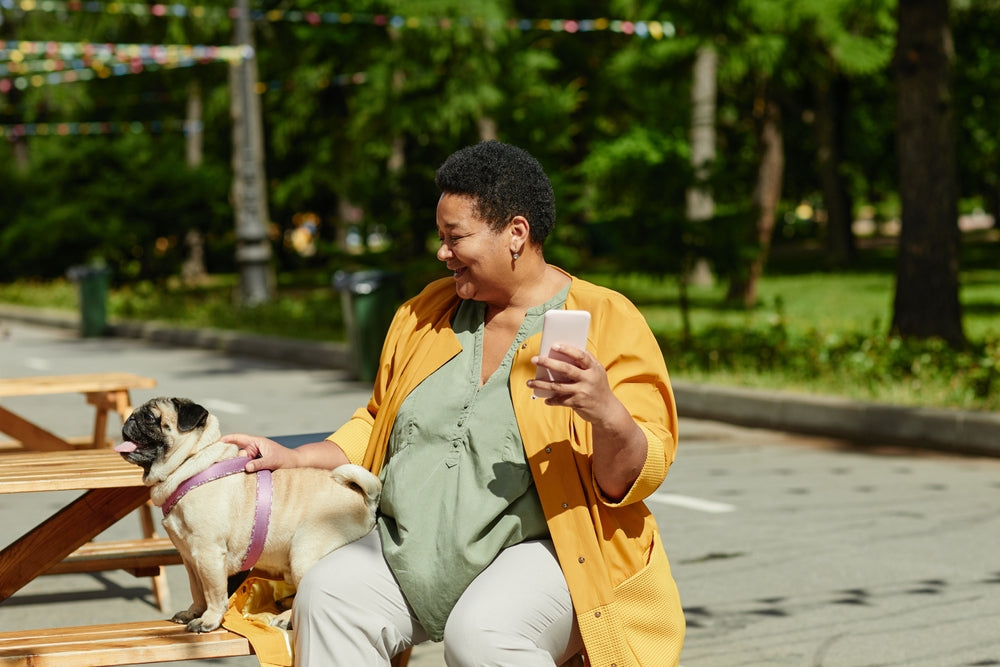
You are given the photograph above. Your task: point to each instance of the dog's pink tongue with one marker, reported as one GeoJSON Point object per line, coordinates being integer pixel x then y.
{"type": "Point", "coordinates": [126, 447]}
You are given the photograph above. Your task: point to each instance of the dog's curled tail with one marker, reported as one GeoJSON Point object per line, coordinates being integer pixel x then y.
{"type": "Point", "coordinates": [361, 479]}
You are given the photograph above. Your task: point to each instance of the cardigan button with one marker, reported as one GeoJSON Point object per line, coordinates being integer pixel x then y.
{"type": "Point", "coordinates": [597, 614]}
{"type": "Point", "coordinates": [580, 560]}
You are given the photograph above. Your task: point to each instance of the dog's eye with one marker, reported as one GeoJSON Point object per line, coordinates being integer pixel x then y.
{"type": "Point", "coordinates": [150, 418]}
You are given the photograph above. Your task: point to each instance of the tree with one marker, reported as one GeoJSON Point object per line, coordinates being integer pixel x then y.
{"type": "Point", "coordinates": [926, 301]}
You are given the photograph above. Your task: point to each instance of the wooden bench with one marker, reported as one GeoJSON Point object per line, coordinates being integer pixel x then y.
{"type": "Point", "coordinates": [124, 644]}
{"type": "Point", "coordinates": [141, 558]}
{"type": "Point", "coordinates": [118, 644]}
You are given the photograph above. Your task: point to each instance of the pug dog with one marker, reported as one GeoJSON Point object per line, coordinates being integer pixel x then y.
{"type": "Point", "coordinates": [312, 513]}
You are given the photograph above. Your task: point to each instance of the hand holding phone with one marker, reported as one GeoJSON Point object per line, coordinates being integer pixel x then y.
{"type": "Point", "coordinates": [567, 327]}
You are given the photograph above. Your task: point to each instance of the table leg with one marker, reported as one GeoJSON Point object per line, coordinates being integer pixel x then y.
{"type": "Point", "coordinates": [161, 591]}
{"type": "Point", "coordinates": [31, 436]}
{"type": "Point", "coordinates": [103, 401]}
{"type": "Point", "coordinates": [119, 402]}
{"type": "Point", "coordinates": [62, 533]}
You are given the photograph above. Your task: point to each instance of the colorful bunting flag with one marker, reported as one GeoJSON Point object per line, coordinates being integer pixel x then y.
{"type": "Point", "coordinates": [642, 29]}
{"type": "Point", "coordinates": [97, 128]}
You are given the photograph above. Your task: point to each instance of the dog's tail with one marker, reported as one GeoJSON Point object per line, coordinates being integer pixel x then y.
{"type": "Point", "coordinates": [361, 479]}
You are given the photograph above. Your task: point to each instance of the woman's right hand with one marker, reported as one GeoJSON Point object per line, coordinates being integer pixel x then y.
{"type": "Point", "coordinates": [264, 453]}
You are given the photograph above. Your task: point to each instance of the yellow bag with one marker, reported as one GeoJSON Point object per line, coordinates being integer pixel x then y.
{"type": "Point", "coordinates": [251, 609]}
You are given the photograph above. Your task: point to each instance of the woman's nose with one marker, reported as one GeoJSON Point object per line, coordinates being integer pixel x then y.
{"type": "Point", "coordinates": [443, 252]}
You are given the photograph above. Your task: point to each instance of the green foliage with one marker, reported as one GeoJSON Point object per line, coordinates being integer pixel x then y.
{"type": "Point", "coordinates": [608, 115]}
{"type": "Point", "coordinates": [128, 202]}
{"type": "Point", "coordinates": [309, 312]}
{"type": "Point", "coordinates": [977, 60]}
{"type": "Point", "coordinates": [857, 365]}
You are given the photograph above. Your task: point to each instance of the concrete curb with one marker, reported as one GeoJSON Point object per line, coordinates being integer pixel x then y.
{"type": "Point", "coordinates": [953, 431]}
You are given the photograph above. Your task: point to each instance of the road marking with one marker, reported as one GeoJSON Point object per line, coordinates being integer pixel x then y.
{"type": "Point", "coordinates": [37, 363]}
{"type": "Point", "coordinates": [219, 405]}
{"type": "Point", "coordinates": [691, 503]}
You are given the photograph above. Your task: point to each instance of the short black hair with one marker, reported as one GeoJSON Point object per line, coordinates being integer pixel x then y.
{"type": "Point", "coordinates": [504, 181]}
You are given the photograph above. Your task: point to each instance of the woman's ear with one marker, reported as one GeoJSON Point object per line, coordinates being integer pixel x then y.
{"type": "Point", "coordinates": [520, 234]}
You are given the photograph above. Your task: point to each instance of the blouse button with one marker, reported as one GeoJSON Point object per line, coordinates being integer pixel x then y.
{"type": "Point", "coordinates": [565, 505]}
{"type": "Point", "coordinates": [548, 450]}
{"type": "Point", "coordinates": [524, 346]}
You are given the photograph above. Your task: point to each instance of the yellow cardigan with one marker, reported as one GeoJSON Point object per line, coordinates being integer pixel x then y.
{"type": "Point", "coordinates": [624, 595]}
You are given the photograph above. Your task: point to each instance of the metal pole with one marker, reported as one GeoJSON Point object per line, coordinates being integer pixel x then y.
{"type": "Point", "coordinates": [253, 251]}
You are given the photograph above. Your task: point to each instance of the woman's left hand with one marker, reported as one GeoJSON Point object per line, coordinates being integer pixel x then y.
{"type": "Point", "coordinates": [584, 386]}
{"type": "Point", "coordinates": [620, 446]}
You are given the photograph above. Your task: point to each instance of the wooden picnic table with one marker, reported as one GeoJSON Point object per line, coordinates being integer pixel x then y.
{"type": "Point", "coordinates": [112, 488]}
{"type": "Point", "coordinates": [107, 392]}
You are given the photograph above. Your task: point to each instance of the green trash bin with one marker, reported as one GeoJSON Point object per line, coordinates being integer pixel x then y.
{"type": "Point", "coordinates": [93, 281]}
{"type": "Point", "coordinates": [369, 300]}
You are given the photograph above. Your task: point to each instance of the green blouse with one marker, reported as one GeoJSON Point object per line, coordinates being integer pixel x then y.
{"type": "Point", "coordinates": [456, 485]}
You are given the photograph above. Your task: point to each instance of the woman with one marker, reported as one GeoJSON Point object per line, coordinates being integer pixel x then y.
{"type": "Point", "coordinates": [511, 528]}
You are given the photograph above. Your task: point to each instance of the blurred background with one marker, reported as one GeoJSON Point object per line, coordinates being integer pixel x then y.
{"type": "Point", "coordinates": [798, 193]}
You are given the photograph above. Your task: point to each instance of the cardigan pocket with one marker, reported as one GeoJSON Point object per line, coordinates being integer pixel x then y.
{"type": "Point", "coordinates": [650, 609]}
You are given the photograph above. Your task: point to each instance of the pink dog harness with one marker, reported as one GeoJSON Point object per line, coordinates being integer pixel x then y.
{"type": "Point", "coordinates": [262, 510]}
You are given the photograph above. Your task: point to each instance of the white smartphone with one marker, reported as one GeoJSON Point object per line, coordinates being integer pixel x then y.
{"type": "Point", "coordinates": [568, 327]}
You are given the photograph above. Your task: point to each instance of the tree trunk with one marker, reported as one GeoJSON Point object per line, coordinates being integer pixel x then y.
{"type": "Point", "coordinates": [766, 196]}
{"type": "Point", "coordinates": [253, 249]}
{"type": "Point", "coordinates": [830, 112]}
{"type": "Point", "coordinates": [193, 126]}
{"type": "Point", "coordinates": [700, 204]}
{"type": "Point", "coordinates": [927, 271]}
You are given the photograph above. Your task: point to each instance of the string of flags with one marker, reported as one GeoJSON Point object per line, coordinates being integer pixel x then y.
{"type": "Point", "coordinates": [26, 64]}
{"type": "Point", "coordinates": [643, 29]}
{"type": "Point", "coordinates": [98, 128]}
{"type": "Point", "coordinates": [40, 63]}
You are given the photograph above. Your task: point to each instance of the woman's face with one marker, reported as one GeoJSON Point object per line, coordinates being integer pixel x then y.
{"type": "Point", "coordinates": [479, 258]}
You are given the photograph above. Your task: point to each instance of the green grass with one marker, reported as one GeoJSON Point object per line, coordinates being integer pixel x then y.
{"type": "Point", "coordinates": [813, 332]}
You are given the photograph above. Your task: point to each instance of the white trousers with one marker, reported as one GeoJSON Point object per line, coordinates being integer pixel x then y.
{"type": "Point", "coordinates": [350, 611]}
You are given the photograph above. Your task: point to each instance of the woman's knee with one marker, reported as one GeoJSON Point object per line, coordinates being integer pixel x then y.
{"type": "Point", "coordinates": [335, 579]}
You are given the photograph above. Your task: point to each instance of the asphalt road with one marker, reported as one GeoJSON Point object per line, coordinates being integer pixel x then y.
{"type": "Point", "coordinates": [787, 550]}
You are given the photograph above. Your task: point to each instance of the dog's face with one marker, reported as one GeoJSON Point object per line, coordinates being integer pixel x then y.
{"type": "Point", "coordinates": [156, 426]}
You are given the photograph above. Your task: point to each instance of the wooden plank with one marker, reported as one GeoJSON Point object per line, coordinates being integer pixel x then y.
{"type": "Point", "coordinates": [139, 556]}
{"type": "Point", "coordinates": [67, 530]}
{"type": "Point", "coordinates": [69, 384]}
{"type": "Point", "coordinates": [118, 644]}
{"type": "Point", "coordinates": [66, 470]}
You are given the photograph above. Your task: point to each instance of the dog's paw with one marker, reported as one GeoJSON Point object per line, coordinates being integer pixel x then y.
{"type": "Point", "coordinates": [204, 624]}
{"type": "Point", "coordinates": [184, 617]}
{"type": "Point", "coordinates": [283, 620]}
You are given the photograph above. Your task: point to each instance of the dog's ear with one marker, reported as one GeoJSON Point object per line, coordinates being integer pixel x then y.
{"type": "Point", "coordinates": [190, 415]}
